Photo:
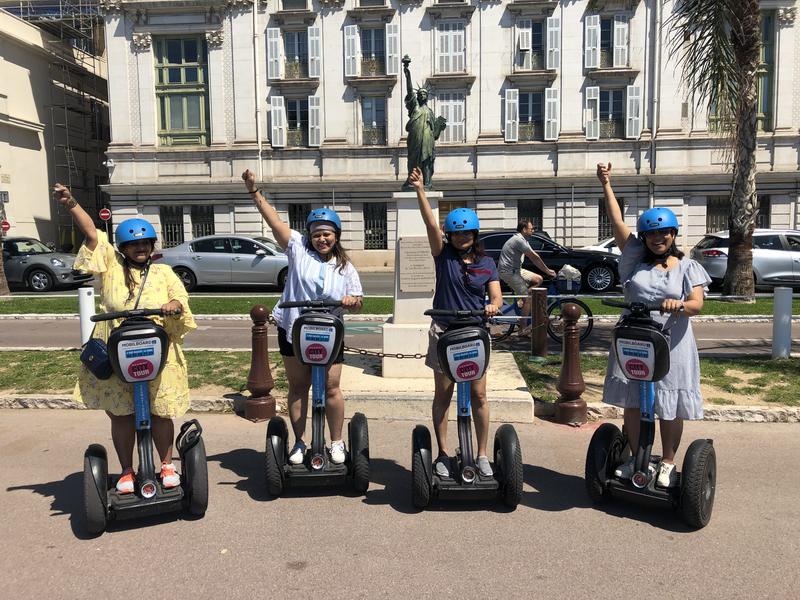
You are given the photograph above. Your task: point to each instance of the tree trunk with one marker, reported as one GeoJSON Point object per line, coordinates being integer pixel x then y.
{"type": "Point", "coordinates": [744, 200]}
{"type": "Point", "coordinates": [4, 291]}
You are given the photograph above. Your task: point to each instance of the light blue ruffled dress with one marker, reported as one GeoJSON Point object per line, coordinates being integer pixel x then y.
{"type": "Point", "coordinates": [678, 394]}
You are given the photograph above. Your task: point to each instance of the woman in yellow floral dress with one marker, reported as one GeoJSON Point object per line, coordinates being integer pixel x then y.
{"type": "Point", "coordinates": [120, 273]}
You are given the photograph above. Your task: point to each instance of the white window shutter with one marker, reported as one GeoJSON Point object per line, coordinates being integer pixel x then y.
{"type": "Point", "coordinates": [274, 59]}
{"type": "Point", "coordinates": [551, 114]}
{"type": "Point", "coordinates": [458, 117]}
{"type": "Point", "coordinates": [443, 47]}
{"type": "Point", "coordinates": [314, 51]}
{"type": "Point", "coordinates": [592, 113]}
{"type": "Point", "coordinates": [277, 117]}
{"type": "Point", "coordinates": [314, 120]}
{"type": "Point", "coordinates": [512, 115]}
{"type": "Point", "coordinates": [459, 49]}
{"type": "Point", "coordinates": [620, 41]}
{"type": "Point", "coordinates": [392, 49]}
{"type": "Point", "coordinates": [444, 110]}
{"type": "Point", "coordinates": [591, 51]}
{"type": "Point", "coordinates": [524, 34]}
{"type": "Point", "coordinates": [352, 43]}
{"type": "Point", "coordinates": [553, 42]}
{"type": "Point", "coordinates": [633, 121]}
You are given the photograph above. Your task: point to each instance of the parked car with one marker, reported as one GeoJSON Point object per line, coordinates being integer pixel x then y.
{"type": "Point", "coordinates": [599, 270]}
{"type": "Point", "coordinates": [227, 260]}
{"type": "Point", "coordinates": [776, 256]}
{"type": "Point", "coordinates": [606, 245]}
{"type": "Point", "coordinates": [29, 262]}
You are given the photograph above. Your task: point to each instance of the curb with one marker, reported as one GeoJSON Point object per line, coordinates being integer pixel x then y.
{"type": "Point", "coordinates": [596, 410]}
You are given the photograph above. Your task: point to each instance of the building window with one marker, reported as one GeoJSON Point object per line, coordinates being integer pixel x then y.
{"type": "Point", "coordinates": [612, 114]}
{"type": "Point", "coordinates": [202, 221]}
{"type": "Point", "coordinates": [718, 210]}
{"type": "Point", "coordinates": [373, 52]}
{"type": "Point", "coordinates": [604, 229]}
{"type": "Point", "coordinates": [298, 213]}
{"type": "Point", "coordinates": [530, 43]}
{"type": "Point", "coordinates": [368, 3]}
{"type": "Point", "coordinates": [606, 42]}
{"type": "Point", "coordinates": [295, 52]}
{"type": "Point", "coordinates": [171, 226]}
{"type": "Point", "coordinates": [531, 116]}
{"type": "Point", "coordinates": [445, 206]}
{"type": "Point", "coordinates": [182, 91]}
{"type": "Point", "coordinates": [766, 72]}
{"type": "Point", "coordinates": [373, 120]}
{"type": "Point", "coordinates": [450, 47]}
{"type": "Point", "coordinates": [296, 122]}
{"type": "Point", "coordinates": [451, 106]}
{"type": "Point", "coordinates": [375, 226]}
{"type": "Point", "coordinates": [532, 210]}
{"type": "Point", "coordinates": [293, 4]}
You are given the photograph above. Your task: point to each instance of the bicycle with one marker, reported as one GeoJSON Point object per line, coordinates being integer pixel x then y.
{"type": "Point", "coordinates": [507, 320]}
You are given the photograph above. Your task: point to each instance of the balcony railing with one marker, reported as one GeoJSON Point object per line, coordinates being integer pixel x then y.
{"type": "Point", "coordinates": [612, 129]}
{"type": "Point", "coordinates": [374, 136]}
{"type": "Point", "coordinates": [373, 66]}
{"type": "Point", "coordinates": [532, 131]}
{"type": "Point", "coordinates": [297, 138]}
{"type": "Point", "coordinates": [295, 69]}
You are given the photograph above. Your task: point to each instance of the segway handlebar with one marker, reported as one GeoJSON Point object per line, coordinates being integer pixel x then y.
{"type": "Point", "coordinates": [634, 306]}
{"type": "Point", "coordinates": [311, 304]}
{"type": "Point", "coordinates": [127, 314]}
{"type": "Point", "coordinates": [459, 314]}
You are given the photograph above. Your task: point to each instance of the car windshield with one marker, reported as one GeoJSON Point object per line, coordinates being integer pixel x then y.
{"type": "Point", "coordinates": [27, 247]}
{"type": "Point", "coordinates": [269, 244]}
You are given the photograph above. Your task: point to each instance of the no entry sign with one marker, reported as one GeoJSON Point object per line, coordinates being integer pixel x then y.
{"type": "Point", "coordinates": [5, 226]}
{"type": "Point", "coordinates": [104, 214]}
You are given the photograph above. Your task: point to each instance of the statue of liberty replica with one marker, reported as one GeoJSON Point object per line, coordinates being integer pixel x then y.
{"type": "Point", "coordinates": [423, 130]}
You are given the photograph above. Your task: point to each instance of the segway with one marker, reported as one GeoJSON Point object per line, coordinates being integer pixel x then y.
{"type": "Point", "coordinates": [463, 352]}
{"type": "Point", "coordinates": [642, 349]}
{"type": "Point", "coordinates": [138, 349]}
{"type": "Point", "coordinates": [317, 338]}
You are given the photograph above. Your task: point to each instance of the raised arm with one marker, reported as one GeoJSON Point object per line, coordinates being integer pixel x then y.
{"type": "Point", "coordinates": [84, 222]}
{"type": "Point", "coordinates": [280, 230]}
{"type": "Point", "coordinates": [621, 231]}
{"type": "Point", "coordinates": [431, 226]}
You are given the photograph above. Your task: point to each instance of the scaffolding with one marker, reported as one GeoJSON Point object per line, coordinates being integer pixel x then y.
{"type": "Point", "coordinates": [79, 132]}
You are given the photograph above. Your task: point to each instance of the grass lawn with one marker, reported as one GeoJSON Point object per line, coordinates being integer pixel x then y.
{"type": "Point", "coordinates": [55, 371]}
{"type": "Point", "coordinates": [738, 380]}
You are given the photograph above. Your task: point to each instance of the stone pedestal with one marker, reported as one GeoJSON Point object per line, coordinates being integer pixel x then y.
{"type": "Point", "coordinates": [407, 332]}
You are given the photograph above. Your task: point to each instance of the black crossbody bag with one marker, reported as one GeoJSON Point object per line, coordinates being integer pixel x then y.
{"type": "Point", "coordinates": [94, 353]}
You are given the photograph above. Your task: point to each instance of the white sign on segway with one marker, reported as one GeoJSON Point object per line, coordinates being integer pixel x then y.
{"type": "Point", "coordinates": [139, 360]}
{"type": "Point", "coordinates": [636, 358]}
{"type": "Point", "coordinates": [317, 343]}
{"type": "Point", "coordinates": [467, 361]}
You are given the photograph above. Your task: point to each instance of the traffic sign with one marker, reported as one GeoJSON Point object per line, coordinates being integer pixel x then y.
{"type": "Point", "coordinates": [5, 226]}
{"type": "Point", "coordinates": [104, 214]}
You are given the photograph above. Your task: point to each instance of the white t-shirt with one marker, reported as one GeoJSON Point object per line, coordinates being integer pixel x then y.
{"type": "Point", "coordinates": [311, 279]}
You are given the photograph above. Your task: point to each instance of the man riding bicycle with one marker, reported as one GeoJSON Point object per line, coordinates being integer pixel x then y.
{"type": "Point", "coordinates": [511, 272]}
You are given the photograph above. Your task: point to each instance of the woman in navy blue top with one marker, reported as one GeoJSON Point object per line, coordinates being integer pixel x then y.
{"type": "Point", "coordinates": [464, 276]}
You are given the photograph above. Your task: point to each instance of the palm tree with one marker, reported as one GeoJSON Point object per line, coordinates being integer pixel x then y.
{"type": "Point", "coordinates": [718, 44]}
{"type": "Point", "coordinates": [4, 291]}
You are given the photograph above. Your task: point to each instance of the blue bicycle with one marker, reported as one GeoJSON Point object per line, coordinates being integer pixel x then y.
{"type": "Point", "coordinates": [508, 318]}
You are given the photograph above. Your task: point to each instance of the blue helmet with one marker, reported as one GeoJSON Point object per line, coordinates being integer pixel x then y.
{"type": "Point", "coordinates": [323, 214]}
{"type": "Point", "coordinates": [461, 219]}
{"type": "Point", "coordinates": [134, 229]}
{"type": "Point", "coordinates": [654, 219]}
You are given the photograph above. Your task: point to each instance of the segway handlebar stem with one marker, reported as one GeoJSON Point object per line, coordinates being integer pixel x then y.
{"type": "Point", "coordinates": [460, 314]}
{"type": "Point", "coordinates": [127, 314]}
{"type": "Point", "coordinates": [311, 304]}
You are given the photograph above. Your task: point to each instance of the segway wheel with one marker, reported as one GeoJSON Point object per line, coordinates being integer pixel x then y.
{"type": "Point", "coordinates": [421, 467]}
{"type": "Point", "coordinates": [698, 483]}
{"type": "Point", "coordinates": [508, 463]}
{"type": "Point", "coordinates": [95, 488]}
{"type": "Point", "coordinates": [195, 478]}
{"type": "Point", "coordinates": [606, 451]}
{"type": "Point", "coordinates": [275, 455]}
{"type": "Point", "coordinates": [358, 438]}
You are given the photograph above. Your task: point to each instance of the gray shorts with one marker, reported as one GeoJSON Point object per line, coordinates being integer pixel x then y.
{"type": "Point", "coordinates": [520, 281]}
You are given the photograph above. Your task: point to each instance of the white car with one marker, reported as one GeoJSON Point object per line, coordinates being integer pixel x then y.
{"type": "Point", "coordinates": [607, 245]}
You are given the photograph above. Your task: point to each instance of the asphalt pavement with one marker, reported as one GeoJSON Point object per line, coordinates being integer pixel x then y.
{"type": "Point", "coordinates": [332, 544]}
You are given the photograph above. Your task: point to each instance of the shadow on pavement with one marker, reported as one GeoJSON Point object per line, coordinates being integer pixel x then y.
{"type": "Point", "coordinates": [554, 491]}
{"type": "Point", "coordinates": [396, 481]}
{"type": "Point", "coordinates": [247, 464]}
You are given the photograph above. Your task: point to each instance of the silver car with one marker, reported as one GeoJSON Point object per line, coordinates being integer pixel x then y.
{"type": "Point", "coordinates": [776, 256]}
{"type": "Point", "coordinates": [227, 260]}
{"type": "Point", "coordinates": [27, 261]}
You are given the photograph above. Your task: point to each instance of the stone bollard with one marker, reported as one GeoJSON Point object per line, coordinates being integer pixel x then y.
{"type": "Point", "coordinates": [538, 300]}
{"type": "Point", "coordinates": [260, 406]}
{"type": "Point", "coordinates": [570, 408]}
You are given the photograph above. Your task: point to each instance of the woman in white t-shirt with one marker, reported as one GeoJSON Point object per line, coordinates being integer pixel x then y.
{"type": "Point", "coordinates": [319, 268]}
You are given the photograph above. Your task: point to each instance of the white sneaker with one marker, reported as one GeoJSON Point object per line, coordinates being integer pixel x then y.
{"type": "Point", "coordinates": [298, 453]}
{"type": "Point", "coordinates": [484, 467]}
{"type": "Point", "coordinates": [337, 452]}
{"type": "Point", "coordinates": [625, 470]}
{"type": "Point", "coordinates": [667, 475]}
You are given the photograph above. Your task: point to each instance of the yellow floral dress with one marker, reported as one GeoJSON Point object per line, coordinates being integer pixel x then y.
{"type": "Point", "coordinates": [169, 392]}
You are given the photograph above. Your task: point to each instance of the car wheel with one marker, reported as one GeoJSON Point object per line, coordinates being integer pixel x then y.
{"type": "Point", "coordinates": [599, 278]}
{"type": "Point", "coordinates": [187, 278]}
{"type": "Point", "coordinates": [282, 279]}
{"type": "Point", "coordinates": [40, 280]}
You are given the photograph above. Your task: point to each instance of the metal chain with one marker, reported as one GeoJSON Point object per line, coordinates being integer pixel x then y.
{"type": "Point", "coordinates": [364, 352]}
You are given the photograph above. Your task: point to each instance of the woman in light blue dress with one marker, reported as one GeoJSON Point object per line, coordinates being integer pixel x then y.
{"type": "Point", "coordinates": [653, 270]}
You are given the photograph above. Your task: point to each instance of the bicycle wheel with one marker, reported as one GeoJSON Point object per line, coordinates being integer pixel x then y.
{"type": "Point", "coordinates": [505, 322]}
{"type": "Point", "coordinates": [555, 324]}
